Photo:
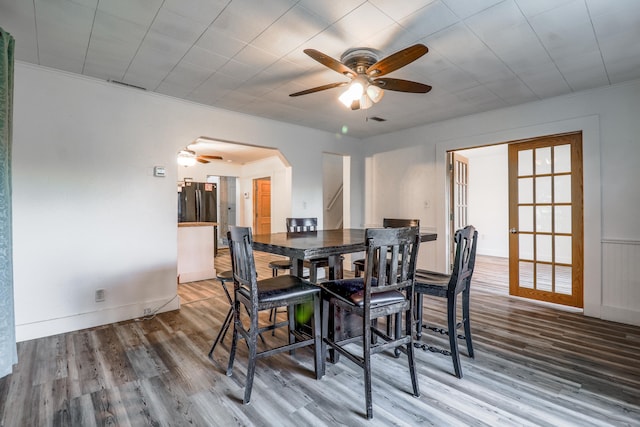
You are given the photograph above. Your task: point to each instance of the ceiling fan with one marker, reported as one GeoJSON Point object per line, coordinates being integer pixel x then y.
{"type": "Point", "coordinates": [188, 157]}
{"type": "Point", "coordinates": [365, 69]}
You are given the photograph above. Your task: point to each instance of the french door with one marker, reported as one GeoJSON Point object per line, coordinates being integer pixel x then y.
{"type": "Point", "coordinates": [459, 203]}
{"type": "Point", "coordinates": [546, 219]}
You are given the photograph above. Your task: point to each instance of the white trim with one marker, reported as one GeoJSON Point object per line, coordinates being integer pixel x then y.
{"type": "Point", "coordinates": [590, 127]}
{"type": "Point", "coordinates": [45, 328]}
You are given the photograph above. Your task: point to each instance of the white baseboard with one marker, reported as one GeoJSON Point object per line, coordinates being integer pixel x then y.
{"type": "Point", "coordinates": [45, 328]}
{"type": "Point", "coordinates": [620, 315]}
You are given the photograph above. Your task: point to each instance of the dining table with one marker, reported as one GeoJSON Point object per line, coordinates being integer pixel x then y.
{"type": "Point", "coordinates": [331, 244]}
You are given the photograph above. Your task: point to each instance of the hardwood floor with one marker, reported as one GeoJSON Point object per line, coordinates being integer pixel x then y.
{"type": "Point", "coordinates": [535, 365]}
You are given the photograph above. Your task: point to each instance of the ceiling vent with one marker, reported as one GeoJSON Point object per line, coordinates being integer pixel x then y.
{"type": "Point", "coordinates": [126, 84]}
{"type": "Point", "coordinates": [376, 119]}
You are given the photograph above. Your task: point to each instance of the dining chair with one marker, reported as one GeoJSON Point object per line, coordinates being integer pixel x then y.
{"type": "Point", "coordinates": [258, 295]}
{"type": "Point", "coordinates": [358, 265]}
{"type": "Point", "coordinates": [224, 277]}
{"type": "Point", "coordinates": [298, 225]}
{"type": "Point", "coordinates": [449, 286]}
{"type": "Point", "coordinates": [303, 225]}
{"type": "Point", "coordinates": [381, 292]}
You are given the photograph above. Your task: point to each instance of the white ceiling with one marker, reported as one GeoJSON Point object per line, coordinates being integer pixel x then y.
{"type": "Point", "coordinates": [247, 55]}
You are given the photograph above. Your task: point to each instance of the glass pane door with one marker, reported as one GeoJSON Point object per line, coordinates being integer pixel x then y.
{"type": "Point", "coordinates": [545, 198]}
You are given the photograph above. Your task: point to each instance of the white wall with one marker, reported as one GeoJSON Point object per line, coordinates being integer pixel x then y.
{"type": "Point", "coordinates": [87, 211]}
{"type": "Point", "coordinates": [608, 118]}
{"type": "Point", "coordinates": [332, 174]}
{"type": "Point", "coordinates": [489, 198]}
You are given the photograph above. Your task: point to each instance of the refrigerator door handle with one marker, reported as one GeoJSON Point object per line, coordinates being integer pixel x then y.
{"type": "Point", "coordinates": [198, 206]}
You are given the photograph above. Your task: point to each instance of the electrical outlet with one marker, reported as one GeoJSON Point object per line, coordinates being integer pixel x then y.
{"type": "Point", "coordinates": [148, 312]}
{"type": "Point", "coordinates": [99, 295]}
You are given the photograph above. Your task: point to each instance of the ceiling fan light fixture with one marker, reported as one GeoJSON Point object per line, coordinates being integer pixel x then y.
{"type": "Point", "coordinates": [354, 93]}
{"type": "Point", "coordinates": [365, 102]}
{"type": "Point", "coordinates": [375, 93]}
{"type": "Point", "coordinates": [186, 157]}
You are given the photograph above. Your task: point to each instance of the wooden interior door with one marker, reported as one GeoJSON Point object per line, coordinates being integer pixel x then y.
{"type": "Point", "coordinates": [459, 203]}
{"type": "Point", "coordinates": [546, 219]}
{"type": "Point", "coordinates": [262, 206]}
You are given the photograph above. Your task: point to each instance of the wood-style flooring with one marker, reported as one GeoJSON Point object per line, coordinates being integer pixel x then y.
{"type": "Point", "coordinates": [535, 365]}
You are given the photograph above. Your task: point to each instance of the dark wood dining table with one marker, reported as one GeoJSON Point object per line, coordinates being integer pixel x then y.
{"type": "Point", "coordinates": [318, 244]}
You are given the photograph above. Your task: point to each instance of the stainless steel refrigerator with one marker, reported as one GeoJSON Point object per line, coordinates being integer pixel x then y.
{"type": "Point", "coordinates": [197, 202]}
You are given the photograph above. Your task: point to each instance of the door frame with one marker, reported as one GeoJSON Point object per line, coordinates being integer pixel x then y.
{"type": "Point", "coordinates": [451, 139]}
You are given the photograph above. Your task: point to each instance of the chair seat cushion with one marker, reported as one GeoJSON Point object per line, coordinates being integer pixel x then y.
{"type": "Point", "coordinates": [281, 288]}
{"type": "Point", "coordinates": [432, 277]}
{"type": "Point", "coordinates": [352, 291]}
{"type": "Point", "coordinates": [432, 283]}
{"type": "Point", "coordinates": [282, 264]}
{"type": "Point", "coordinates": [225, 275]}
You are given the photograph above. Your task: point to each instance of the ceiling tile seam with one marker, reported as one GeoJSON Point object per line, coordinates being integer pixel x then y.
{"type": "Point", "coordinates": [458, 66]}
{"type": "Point", "coordinates": [35, 24]}
{"type": "Point", "coordinates": [194, 43]}
{"type": "Point", "coordinates": [250, 43]}
{"type": "Point", "coordinates": [544, 46]}
{"type": "Point", "coordinates": [516, 75]}
{"type": "Point", "coordinates": [141, 42]}
{"type": "Point", "coordinates": [595, 35]}
{"type": "Point", "coordinates": [93, 23]}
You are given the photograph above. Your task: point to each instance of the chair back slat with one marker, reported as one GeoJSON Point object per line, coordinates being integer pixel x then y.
{"type": "Point", "coordinates": [397, 250]}
{"type": "Point", "coordinates": [242, 260]}
{"type": "Point", "coordinates": [466, 240]}
{"type": "Point", "coordinates": [299, 225]}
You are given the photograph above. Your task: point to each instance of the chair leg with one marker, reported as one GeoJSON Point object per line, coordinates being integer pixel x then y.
{"type": "Point", "coordinates": [357, 271]}
{"type": "Point", "coordinates": [251, 369]}
{"type": "Point", "coordinates": [234, 339]}
{"type": "Point", "coordinates": [325, 333]}
{"type": "Point", "coordinates": [319, 363]}
{"type": "Point", "coordinates": [273, 318]}
{"type": "Point", "coordinates": [397, 333]}
{"type": "Point", "coordinates": [453, 334]}
{"type": "Point", "coordinates": [419, 309]}
{"type": "Point", "coordinates": [291, 314]}
{"type": "Point", "coordinates": [410, 355]}
{"type": "Point", "coordinates": [466, 321]}
{"type": "Point", "coordinates": [366, 347]}
{"type": "Point", "coordinates": [223, 330]}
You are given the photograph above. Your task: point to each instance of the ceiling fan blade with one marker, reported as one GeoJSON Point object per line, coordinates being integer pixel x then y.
{"type": "Point", "coordinates": [399, 85]}
{"type": "Point", "coordinates": [397, 60]}
{"type": "Point", "coordinates": [319, 88]}
{"type": "Point", "coordinates": [202, 160]}
{"type": "Point", "coordinates": [208, 157]}
{"type": "Point", "coordinates": [329, 62]}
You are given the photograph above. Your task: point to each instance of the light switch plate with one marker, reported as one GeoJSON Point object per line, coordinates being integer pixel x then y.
{"type": "Point", "coordinates": [159, 171]}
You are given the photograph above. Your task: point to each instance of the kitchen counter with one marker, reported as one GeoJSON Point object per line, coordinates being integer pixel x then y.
{"type": "Point", "coordinates": [196, 249]}
{"type": "Point", "coordinates": [197, 224]}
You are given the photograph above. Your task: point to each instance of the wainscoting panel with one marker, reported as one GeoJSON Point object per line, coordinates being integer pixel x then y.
{"type": "Point", "coordinates": [621, 281]}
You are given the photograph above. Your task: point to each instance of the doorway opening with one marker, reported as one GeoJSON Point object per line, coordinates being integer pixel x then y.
{"type": "Point", "coordinates": [525, 199]}
{"type": "Point", "coordinates": [262, 205]}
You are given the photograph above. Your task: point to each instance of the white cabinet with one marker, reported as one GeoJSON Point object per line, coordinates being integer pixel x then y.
{"type": "Point", "coordinates": [196, 251]}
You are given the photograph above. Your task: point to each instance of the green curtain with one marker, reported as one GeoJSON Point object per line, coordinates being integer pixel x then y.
{"type": "Point", "coordinates": [8, 350]}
